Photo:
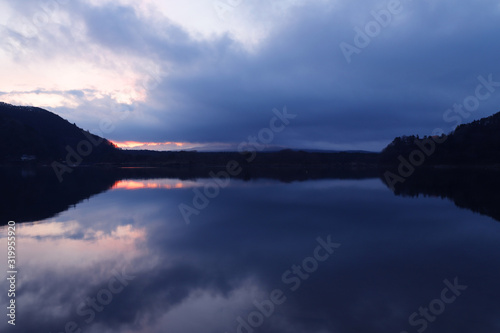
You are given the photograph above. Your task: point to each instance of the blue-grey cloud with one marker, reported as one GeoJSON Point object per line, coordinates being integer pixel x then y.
{"type": "Point", "coordinates": [426, 59]}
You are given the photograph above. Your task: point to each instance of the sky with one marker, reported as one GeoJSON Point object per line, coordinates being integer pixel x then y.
{"type": "Point", "coordinates": [211, 75]}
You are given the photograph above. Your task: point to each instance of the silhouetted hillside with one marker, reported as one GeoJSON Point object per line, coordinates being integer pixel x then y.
{"type": "Point", "coordinates": [476, 143]}
{"type": "Point", "coordinates": [38, 132]}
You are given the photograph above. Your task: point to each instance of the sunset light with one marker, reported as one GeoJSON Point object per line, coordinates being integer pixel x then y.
{"type": "Point", "coordinates": [166, 184]}
{"type": "Point", "coordinates": [175, 146]}
{"type": "Point", "coordinates": [146, 145]}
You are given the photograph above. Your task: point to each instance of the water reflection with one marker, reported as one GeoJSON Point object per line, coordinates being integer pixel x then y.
{"type": "Point", "coordinates": [477, 190]}
{"type": "Point", "coordinates": [46, 197]}
{"type": "Point", "coordinates": [62, 262]}
{"type": "Point", "coordinates": [40, 195]}
{"type": "Point", "coordinates": [395, 253]}
{"type": "Point", "coordinates": [474, 189]}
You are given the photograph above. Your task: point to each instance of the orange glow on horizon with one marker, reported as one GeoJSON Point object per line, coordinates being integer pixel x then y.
{"type": "Point", "coordinates": [135, 144]}
{"type": "Point", "coordinates": [146, 184]}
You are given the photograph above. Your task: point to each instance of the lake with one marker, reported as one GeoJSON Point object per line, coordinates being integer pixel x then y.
{"type": "Point", "coordinates": [116, 254]}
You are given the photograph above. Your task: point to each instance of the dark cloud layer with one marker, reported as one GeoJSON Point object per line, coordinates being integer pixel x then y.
{"type": "Point", "coordinates": [218, 90]}
{"type": "Point", "coordinates": [401, 83]}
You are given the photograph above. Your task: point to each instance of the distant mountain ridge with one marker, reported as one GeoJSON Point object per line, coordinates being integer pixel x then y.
{"type": "Point", "coordinates": [26, 130]}
{"type": "Point", "coordinates": [32, 131]}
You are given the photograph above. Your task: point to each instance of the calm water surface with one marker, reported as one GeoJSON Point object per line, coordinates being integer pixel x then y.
{"type": "Point", "coordinates": [257, 259]}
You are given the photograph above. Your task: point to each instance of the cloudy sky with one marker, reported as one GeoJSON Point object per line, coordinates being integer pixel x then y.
{"type": "Point", "coordinates": [206, 73]}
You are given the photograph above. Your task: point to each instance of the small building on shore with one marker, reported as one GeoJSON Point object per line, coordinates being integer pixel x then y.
{"type": "Point", "coordinates": [28, 158]}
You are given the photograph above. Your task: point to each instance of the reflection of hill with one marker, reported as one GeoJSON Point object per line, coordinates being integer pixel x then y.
{"type": "Point", "coordinates": [287, 174]}
{"type": "Point", "coordinates": [474, 189]}
{"type": "Point", "coordinates": [35, 194]}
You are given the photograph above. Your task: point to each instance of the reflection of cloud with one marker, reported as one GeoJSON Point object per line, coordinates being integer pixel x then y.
{"type": "Point", "coordinates": [208, 306]}
{"type": "Point", "coordinates": [53, 229]}
{"type": "Point", "coordinates": [70, 244]}
{"type": "Point", "coordinates": [57, 271]}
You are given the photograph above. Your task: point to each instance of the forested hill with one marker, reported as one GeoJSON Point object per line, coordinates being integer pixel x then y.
{"type": "Point", "coordinates": [476, 143]}
{"type": "Point", "coordinates": [38, 132]}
